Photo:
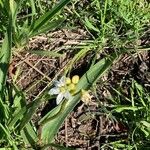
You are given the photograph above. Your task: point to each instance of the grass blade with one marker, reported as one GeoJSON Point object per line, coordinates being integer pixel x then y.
{"type": "Point", "coordinates": [5, 56]}
{"type": "Point", "coordinates": [29, 135]}
{"type": "Point", "coordinates": [46, 53]}
{"type": "Point", "coordinates": [51, 25]}
{"type": "Point", "coordinates": [47, 16]}
{"type": "Point", "coordinates": [8, 136]}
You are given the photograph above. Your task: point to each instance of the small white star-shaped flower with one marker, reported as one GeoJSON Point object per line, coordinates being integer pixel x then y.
{"type": "Point", "coordinates": [60, 90]}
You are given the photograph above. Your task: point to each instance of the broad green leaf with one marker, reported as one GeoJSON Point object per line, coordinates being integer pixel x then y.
{"type": "Point", "coordinates": [52, 113]}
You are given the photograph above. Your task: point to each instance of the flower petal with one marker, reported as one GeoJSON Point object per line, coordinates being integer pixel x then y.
{"type": "Point", "coordinates": [67, 95]}
{"type": "Point", "coordinates": [57, 83]}
{"type": "Point", "coordinates": [54, 91]}
{"type": "Point", "coordinates": [62, 80]}
{"type": "Point", "coordinates": [59, 98]}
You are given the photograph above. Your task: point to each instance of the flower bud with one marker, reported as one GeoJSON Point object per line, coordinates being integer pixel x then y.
{"type": "Point", "coordinates": [75, 79]}
{"type": "Point", "coordinates": [86, 97]}
{"type": "Point", "coordinates": [72, 87]}
{"type": "Point", "coordinates": [68, 80]}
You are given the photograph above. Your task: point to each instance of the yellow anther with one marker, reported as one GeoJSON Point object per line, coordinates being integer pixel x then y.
{"type": "Point", "coordinates": [68, 80]}
{"type": "Point", "coordinates": [71, 87]}
{"type": "Point", "coordinates": [62, 89]}
{"type": "Point", "coordinates": [75, 79]}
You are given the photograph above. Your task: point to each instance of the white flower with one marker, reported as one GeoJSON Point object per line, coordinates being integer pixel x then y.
{"type": "Point", "coordinates": [60, 90]}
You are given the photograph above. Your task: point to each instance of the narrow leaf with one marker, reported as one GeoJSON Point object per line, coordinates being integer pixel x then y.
{"type": "Point", "coordinates": [48, 27]}
{"type": "Point", "coordinates": [47, 16]}
{"type": "Point", "coordinates": [46, 53]}
{"type": "Point", "coordinates": [29, 135]}
{"type": "Point", "coordinates": [123, 108]}
{"type": "Point", "coordinates": [90, 25]}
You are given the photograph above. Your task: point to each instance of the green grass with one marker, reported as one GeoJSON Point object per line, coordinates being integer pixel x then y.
{"type": "Point", "coordinates": [132, 109]}
{"type": "Point", "coordinates": [110, 24]}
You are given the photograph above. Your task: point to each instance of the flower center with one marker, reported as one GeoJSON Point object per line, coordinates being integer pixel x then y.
{"type": "Point", "coordinates": [62, 89]}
